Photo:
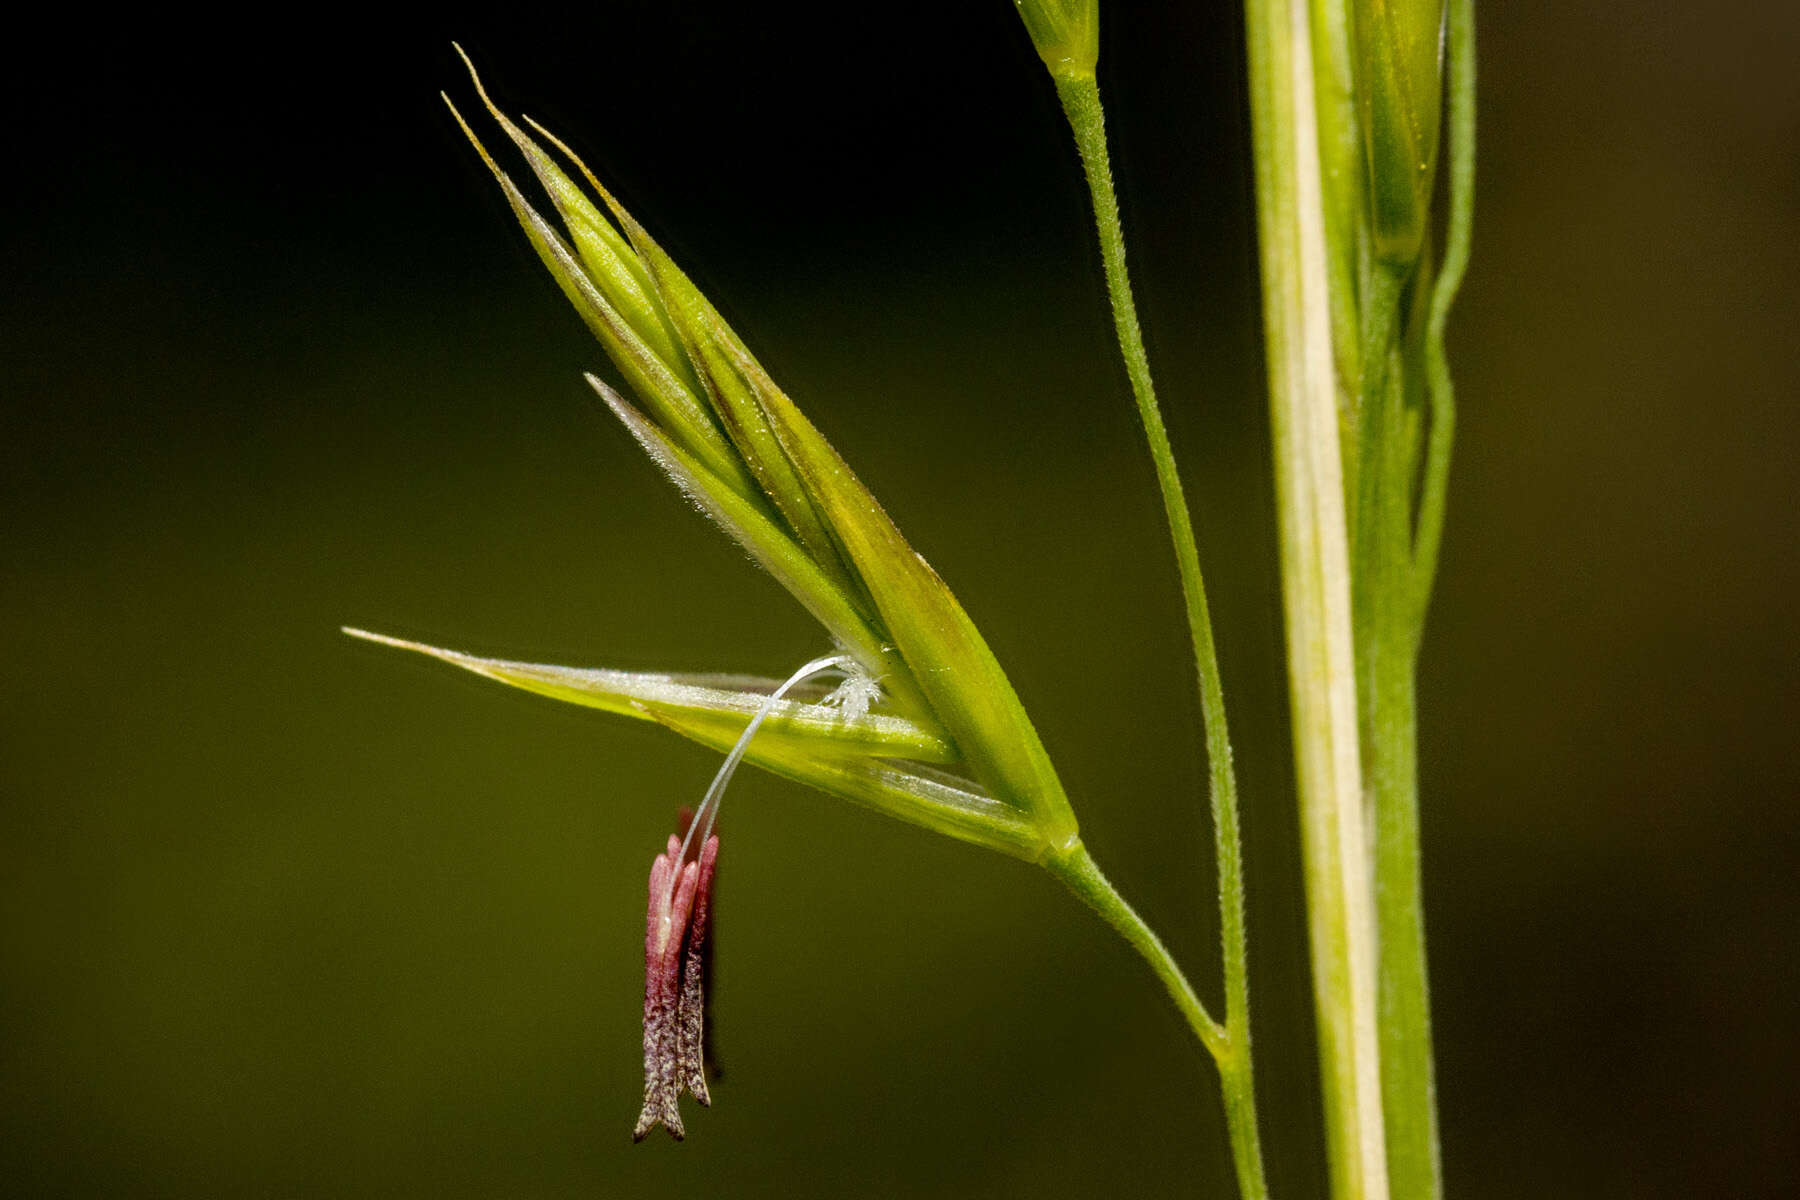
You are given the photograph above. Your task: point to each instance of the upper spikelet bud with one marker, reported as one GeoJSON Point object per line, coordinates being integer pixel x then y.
{"type": "Point", "coordinates": [1399, 98]}
{"type": "Point", "coordinates": [1066, 34]}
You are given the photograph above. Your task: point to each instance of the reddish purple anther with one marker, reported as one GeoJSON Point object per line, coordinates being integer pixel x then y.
{"type": "Point", "coordinates": [675, 984]}
{"type": "Point", "coordinates": [676, 953]}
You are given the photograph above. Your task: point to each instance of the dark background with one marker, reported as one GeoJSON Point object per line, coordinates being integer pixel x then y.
{"type": "Point", "coordinates": [283, 914]}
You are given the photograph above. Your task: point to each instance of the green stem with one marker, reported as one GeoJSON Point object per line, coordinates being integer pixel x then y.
{"type": "Point", "coordinates": [1316, 589]}
{"type": "Point", "coordinates": [1385, 640]}
{"type": "Point", "coordinates": [1363, 477]}
{"type": "Point", "coordinates": [1080, 97]}
{"type": "Point", "coordinates": [1397, 597]}
{"type": "Point", "coordinates": [1230, 1048]}
{"type": "Point", "coordinates": [1409, 1092]}
{"type": "Point", "coordinates": [1081, 101]}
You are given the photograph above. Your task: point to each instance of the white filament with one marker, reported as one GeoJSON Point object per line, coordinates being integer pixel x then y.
{"type": "Point", "coordinates": [708, 812]}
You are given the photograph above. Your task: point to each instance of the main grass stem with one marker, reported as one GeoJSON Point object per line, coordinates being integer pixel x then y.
{"type": "Point", "coordinates": [1316, 590]}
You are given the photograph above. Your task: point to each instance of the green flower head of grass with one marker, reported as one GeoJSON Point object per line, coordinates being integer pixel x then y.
{"type": "Point", "coordinates": [926, 727]}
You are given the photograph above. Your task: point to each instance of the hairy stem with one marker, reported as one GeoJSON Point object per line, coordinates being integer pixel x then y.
{"type": "Point", "coordinates": [1230, 1050]}
{"type": "Point", "coordinates": [1316, 590]}
{"type": "Point", "coordinates": [1080, 97]}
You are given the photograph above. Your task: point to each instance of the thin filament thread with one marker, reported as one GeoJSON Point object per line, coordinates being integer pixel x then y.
{"type": "Point", "coordinates": [708, 812]}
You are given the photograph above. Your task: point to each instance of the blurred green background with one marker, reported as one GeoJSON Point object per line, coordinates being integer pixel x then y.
{"type": "Point", "coordinates": [284, 914]}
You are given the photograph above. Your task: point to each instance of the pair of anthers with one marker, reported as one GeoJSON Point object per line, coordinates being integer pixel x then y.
{"type": "Point", "coordinates": [676, 946]}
